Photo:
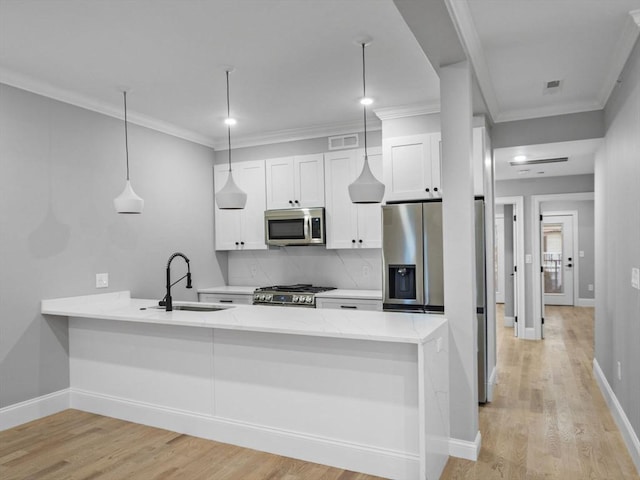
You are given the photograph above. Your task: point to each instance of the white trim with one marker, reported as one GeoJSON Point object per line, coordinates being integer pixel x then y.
{"type": "Point", "coordinates": [547, 111]}
{"type": "Point", "coordinates": [509, 321]}
{"type": "Point", "coordinates": [536, 286]}
{"type": "Point", "coordinates": [530, 334]}
{"type": "Point", "coordinates": [491, 383]}
{"type": "Point", "coordinates": [401, 111]}
{"type": "Point", "coordinates": [465, 449]}
{"type": "Point", "coordinates": [586, 302]}
{"type": "Point", "coordinates": [34, 409]}
{"type": "Point", "coordinates": [626, 429]}
{"type": "Point", "coordinates": [620, 55]}
{"type": "Point", "coordinates": [312, 448]}
{"type": "Point", "coordinates": [518, 202]}
{"type": "Point", "coordinates": [38, 87]}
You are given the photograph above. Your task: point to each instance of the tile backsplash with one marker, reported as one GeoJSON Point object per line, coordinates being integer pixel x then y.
{"type": "Point", "coordinates": [350, 269]}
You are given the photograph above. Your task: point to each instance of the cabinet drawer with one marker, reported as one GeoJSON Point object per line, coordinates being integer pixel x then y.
{"type": "Point", "coordinates": [349, 304]}
{"type": "Point", "coordinates": [237, 298]}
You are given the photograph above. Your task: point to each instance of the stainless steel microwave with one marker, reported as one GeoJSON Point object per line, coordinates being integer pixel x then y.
{"type": "Point", "coordinates": [294, 226]}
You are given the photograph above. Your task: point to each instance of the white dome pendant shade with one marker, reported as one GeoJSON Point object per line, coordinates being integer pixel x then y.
{"type": "Point", "coordinates": [230, 197]}
{"type": "Point", "coordinates": [127, 201]}
{"type": "Point", "coordinates": [367, 188]}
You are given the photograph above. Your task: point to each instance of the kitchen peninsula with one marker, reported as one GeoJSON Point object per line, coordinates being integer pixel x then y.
{"type": "Point", "coordinates": [365, 391]}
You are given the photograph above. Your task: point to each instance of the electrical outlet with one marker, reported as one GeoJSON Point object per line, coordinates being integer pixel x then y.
{"type": "Point", "coordinates": [619, 371]}
{"type": "Point", "coordinates": [635, 278]}
{"type": "Point", "coordinates": [528, 258]}
{"type": "Point", "coordinates": [102, 280]}
{"type": "Point", "coordinates": [581, 254]}
{"type": "Point", "coordinates": [366, 271]}
{"type": "Point", "coordinates": [590, 287]}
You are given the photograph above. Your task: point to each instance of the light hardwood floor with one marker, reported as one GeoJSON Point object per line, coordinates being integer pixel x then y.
{"type": "Point", "coordinates": [548, 420]}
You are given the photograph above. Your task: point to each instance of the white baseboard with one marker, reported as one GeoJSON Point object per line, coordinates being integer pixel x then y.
{"type": "Point", "coordinates": [351, 456]}
{"type": "Point", "coordinates": [586, 302]}
{"type": "Point", "coordinates": [626, 429]}
{"type": "Point", "coordinates": [465, 449]}
{"type": "Point", "coordinates": [509, 321]}
{"type": "Point", "coordinates": [33, 409]}
{"type": "Point", "coordinates": [529, 333]}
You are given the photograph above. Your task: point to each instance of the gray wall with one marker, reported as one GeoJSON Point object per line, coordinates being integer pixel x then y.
{"type": "Point", "coordinates": [539, 186]}
{"type": "Point", "coordinates": [509, 298]}
{"type": "Point", "coordinates": [560, 128]}
{"type": "Point", "coordinates": [586, 264]}
{"type": "Point", "coordinates": [61, 168]}
{"type": "Point", "coordinates": [617, 328]}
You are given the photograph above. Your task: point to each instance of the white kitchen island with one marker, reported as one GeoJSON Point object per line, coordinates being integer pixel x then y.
{"type": "Point", "coordinates": [364, 391]}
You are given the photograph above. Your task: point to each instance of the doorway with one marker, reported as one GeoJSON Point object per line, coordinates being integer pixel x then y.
{"type": "Point", "coordinates": [558, 263]}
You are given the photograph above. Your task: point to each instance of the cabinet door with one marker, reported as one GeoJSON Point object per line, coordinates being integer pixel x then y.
{"type": "Point", "coordinates": [227, 222]}
{"type": "Point", "coordinates": [341, 214]}
{"type": "Point", "coordinates": [435, 160]}
{"type": "Point", "coordinates": [308, 171]}
{"type": "Point", "coordinates": [237, 298]}
{"type": "Point", "coordinates": [280, 184]}
{"type": "Point", "coordinates": [252, 181]}
{"type": "Point", "coordinates": [370, 215]}
{"type": "Point", "coordinates": [407, 167]}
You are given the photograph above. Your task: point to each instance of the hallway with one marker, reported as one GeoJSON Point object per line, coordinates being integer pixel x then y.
{"type": "Point", "coordinates": [548, 419]}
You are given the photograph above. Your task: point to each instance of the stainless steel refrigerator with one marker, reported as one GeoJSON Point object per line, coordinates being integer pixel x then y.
{"type": "Point", "coordinates": [412, 259]}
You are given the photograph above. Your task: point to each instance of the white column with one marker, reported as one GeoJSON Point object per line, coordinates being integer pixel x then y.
{"type": "Point", "coordinates": [459, 247]}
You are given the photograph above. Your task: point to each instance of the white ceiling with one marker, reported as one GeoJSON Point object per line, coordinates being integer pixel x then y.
{"type": "Point", "coordinates": [297, 66]}
{"type": "Point", "coordinates": [298, 71]}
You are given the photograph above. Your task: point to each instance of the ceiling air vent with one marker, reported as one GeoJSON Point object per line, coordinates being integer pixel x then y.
{"type": "Point", "coordinates": [343, 141]}
{"type": "Point", "coordinates": [538, 161]}
{"type": "Point", "coordinates": [552, 86]}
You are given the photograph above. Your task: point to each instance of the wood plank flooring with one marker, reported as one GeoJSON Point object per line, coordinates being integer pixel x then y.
{"type": "Point", "coordinates": [548, 420]}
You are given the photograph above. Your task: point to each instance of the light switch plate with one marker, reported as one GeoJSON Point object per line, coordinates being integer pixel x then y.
{"type": "Point", "coordinates": [635, 278]}
{"type": "Point", "coordinates": [102, 280]}
{"type": "Point", "coordinates": [528, 258]}
{"type": "Point", "coordinates": [581, 253]}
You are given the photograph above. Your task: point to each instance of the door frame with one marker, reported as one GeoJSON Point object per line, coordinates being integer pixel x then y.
{"type": "Point", "coordinates": [518, 203]}
{"type": "Point", "coordinates": [499, 216]}
{"type": "Point", "coordinates": [575, 244]}
{"type": "Point", "coordinates": [536, 280]}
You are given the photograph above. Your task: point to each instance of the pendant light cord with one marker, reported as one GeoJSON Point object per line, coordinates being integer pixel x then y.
{"type": "Point", "coordinates": [126, 137]}
{"type": "Point", "coordinates": [228, 124]}
{"type": "Point", "coordinates": [364, 107]}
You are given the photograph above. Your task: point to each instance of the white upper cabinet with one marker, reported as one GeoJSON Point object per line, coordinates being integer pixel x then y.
{"type": "Point", "coordinates": [242, 229]}
{"type": "Point", "coordinates": [349, 225]}
{"type": "Point", "coordinates": [294, 182]}
{"type": "Point", "coordinates": [412, 167]}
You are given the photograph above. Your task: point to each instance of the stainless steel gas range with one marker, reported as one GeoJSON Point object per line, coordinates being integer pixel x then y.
{"type": "Point", "coordinates": [300, 295]}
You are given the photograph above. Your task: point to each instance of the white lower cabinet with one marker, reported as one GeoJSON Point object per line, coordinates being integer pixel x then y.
{"type": "Point", "coordinates": [242, 229]}
{"type": "Point", "coordinates": [349, 304]}
{"type": "Point", "coordinates": [234, 298]}
{"type": "Point", "coordinates": [349, 225]}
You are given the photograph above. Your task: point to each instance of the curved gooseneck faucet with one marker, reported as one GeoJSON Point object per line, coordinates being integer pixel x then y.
{"type": "Point", "coordinates": [167, 302]}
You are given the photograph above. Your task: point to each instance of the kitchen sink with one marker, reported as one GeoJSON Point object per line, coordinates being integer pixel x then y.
{"type": "Point", "coordinates": [193, 308]}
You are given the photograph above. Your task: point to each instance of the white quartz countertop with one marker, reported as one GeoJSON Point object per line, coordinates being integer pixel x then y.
{"type": "Point", "coordinates": [228, 289]}
{"type": "Point", "coordinates": [355, 294]}
{"type": "Point", "coordinates": [362, 325]}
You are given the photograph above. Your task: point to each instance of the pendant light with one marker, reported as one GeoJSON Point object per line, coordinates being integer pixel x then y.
{"type": "Point", "coordinates": [367, 188]}
{"type": "Point", "coordinates": [230, 197]}
{"type": "Point", "coordinates": [127, 201]}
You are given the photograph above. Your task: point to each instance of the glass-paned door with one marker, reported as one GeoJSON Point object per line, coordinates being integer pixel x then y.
{"type": "Point", "coordinates": [557, 259]}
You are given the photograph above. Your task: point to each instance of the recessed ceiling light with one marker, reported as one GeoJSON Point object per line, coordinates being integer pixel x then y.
{"type": "Point", "coordinates": [230, 121]}
{"type": "Point", "coordinates": [523, 172]}
{"type": "Point", "coordinates": [366, 101]}
{"type": "Point", "coordinates": [519, 158]}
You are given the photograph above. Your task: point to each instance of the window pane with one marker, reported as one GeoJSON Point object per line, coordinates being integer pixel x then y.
{"type": "Point", "coordinates": [552, 258]}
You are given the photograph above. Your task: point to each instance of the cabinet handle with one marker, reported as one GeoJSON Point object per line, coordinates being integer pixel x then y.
{"type": "Point", "coordinates": [290, 202]}
{"type": "Point", "coordinates": [241, 243]}
{"type": "Point", "coordinates": [435, 189]}
{"type": "Point", "coordinates": [237, 243]}
{"type": "Point", "coordinates": [426, 190]}
{"type": "Point", "coordinates": [353, 241]}
{"type": "Point", "coordinates": [349, 307]}
{"type": "Point", "coordinates": [296, 201]}
{"type": "Point", "coordinates": [225, 301]}
{"type": "Point", "coordinates": [360, 241]}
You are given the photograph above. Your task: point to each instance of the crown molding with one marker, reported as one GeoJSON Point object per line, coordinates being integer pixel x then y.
{"type": "Point", "coordinates": [294, 134]}
{"type": "Point", "coordinates": [460, 14]}
{"type": "Point", "coordinates": [400, 111]}
{"type": "Point", "coordinates": [547, 111]}
{"type": "Point", "coordinates": [621, 53]}
{"type": "Point", "coordinates": [38, 87]}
